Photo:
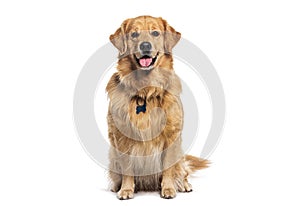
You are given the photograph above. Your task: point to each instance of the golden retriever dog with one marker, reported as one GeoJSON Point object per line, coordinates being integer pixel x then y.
{"type": "Point", "coordinates": [145, 115]}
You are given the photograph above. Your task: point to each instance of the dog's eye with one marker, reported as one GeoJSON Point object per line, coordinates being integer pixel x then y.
{"type": "Point", "coordinates": [135, 34]}
{"type": "Point", "coordinates": [155, 33]}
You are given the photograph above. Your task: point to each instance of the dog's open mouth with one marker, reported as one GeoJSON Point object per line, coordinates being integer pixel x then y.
{"type": "Point", "coordinates": [146, 62]}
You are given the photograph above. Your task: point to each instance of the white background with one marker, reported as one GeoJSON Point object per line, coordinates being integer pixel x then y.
{"type": "Point", "coordinates": [255, 47]}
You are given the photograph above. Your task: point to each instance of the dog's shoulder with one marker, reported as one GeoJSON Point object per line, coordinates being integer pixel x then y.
{"type": "Point", "coordinates": [113, 82]}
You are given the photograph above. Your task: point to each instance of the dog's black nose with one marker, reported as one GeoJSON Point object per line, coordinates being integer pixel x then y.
{"type": "Point", "coordinates": [145, 46]}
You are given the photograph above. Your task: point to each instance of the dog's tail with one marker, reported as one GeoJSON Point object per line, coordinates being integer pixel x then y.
{"type": "Point", "coordinates": [193, 163]}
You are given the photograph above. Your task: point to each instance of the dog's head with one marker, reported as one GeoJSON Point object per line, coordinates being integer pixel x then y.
{"type": "Point", "coordinates": [144, 41]}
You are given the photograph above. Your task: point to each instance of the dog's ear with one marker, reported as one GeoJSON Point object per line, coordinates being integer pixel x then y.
{"type": "Point", "coordinates": [118, 39]}
{"type": "Point", "coordinates": [171, 36]}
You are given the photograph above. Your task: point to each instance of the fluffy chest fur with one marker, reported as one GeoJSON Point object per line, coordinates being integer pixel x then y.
{"type": "Point", "coordinates": [161, 100]}
{"type": "Point", "coordinates": [142, 126]}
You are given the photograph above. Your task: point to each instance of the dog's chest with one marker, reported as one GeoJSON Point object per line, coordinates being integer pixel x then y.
{"type": "Point", "coordinates": [139, 118]}
{"type": "Point", "coordinates": [147, 118]}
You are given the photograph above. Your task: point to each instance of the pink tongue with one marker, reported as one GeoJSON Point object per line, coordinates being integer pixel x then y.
{"type": "Point", "coordinates": [145, 62]}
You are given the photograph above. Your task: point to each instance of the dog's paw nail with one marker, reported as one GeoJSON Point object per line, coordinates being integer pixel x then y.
{"type": "Point", "coordinates": [190, 190]}
{"type": "Point", "coordinates": [125, 194]}
{"type": "Point", "coordinates": [168, 193]}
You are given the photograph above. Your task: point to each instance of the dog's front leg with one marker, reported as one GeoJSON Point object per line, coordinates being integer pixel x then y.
{"type": "Point", "coordinates": [168, 190]}
{"type": "Point", "coordinates": [172, 154]}
{"type": "Point", "coordinates": [127, 188]}
{"type": "Point", "coordinates": [127, 185]}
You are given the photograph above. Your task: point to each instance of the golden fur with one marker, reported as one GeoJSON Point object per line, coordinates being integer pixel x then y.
{"type": "Point", "coordinates": [146, 149]}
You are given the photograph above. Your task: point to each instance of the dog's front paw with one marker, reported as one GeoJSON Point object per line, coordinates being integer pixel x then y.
{"type": "Point", "coordinates": [168, 193]}
{"type": "Point", "coordinates": [125, 194]}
